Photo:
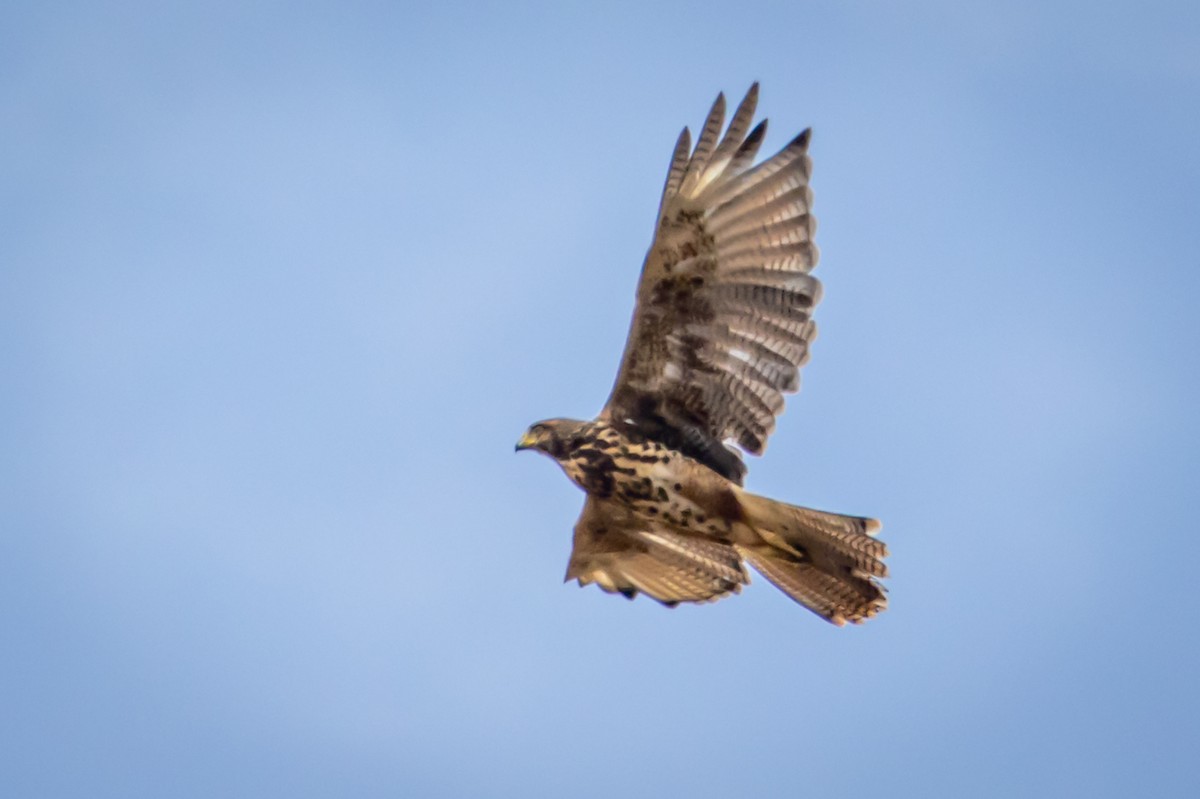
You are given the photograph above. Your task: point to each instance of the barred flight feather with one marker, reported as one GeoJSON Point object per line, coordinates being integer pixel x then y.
{"type": "Point", "coordinates": [704, 147]}
{"type": "Point", "coordinates": [746, 153]}
{"type": "Point", "coordinates": [722, 158]}
{"type": "Point", "coordinates": [838, 599]}
{"type": "Point", "coordinates": [757, 178]}
{"type": "Point", "coordinates": [788, 204]}
{"type": "Point", "coordinates": [679, 161]}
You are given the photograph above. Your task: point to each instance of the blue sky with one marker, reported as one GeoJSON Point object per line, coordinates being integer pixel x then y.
{"type": "Point", "coordinates": [281, 284]}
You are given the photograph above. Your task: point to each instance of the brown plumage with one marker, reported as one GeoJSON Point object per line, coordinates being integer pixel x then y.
{"type": "Point", "coordinates": [720, 330]}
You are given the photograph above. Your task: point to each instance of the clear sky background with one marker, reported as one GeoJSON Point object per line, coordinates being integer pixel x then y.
{"type": "Point", "coordinates": [282, 283]}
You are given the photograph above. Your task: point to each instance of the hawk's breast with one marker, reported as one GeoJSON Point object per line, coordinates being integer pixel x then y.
{"type": "Point", "coordinates": [650, 479]}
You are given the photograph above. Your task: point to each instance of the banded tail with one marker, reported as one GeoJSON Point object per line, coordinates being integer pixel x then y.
{"type": "Point", "coordinates": [827, 562]}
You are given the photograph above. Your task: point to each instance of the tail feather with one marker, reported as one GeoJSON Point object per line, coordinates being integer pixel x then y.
{"type": "Point", "coordinates": [827, 562]}
{"type": "Point", "coordinates": [838, 599]}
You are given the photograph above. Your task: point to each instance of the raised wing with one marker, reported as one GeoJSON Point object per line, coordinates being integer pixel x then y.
{"type": "Point", "coordinates": [723, 316]}
{"type": "Point", "coordinates": [626, 555]}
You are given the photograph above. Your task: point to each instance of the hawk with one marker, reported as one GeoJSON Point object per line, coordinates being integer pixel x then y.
{"type": "Point", "coordinates": [721, 327]}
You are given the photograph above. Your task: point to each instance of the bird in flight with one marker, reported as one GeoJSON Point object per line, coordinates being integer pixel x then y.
{"type": "Point", "coordinates": [721, 327]}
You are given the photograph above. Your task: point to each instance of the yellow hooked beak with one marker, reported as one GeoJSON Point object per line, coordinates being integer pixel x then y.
{"type": "Point", "coordinates": [527, 441]}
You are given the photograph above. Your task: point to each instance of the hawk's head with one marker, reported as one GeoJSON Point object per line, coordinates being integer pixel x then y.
{"type": "Point", "coordinates": [552, 436]}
